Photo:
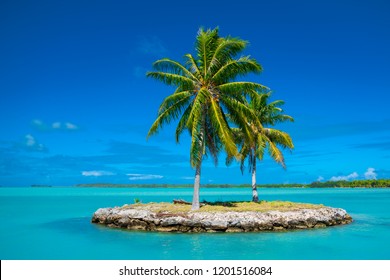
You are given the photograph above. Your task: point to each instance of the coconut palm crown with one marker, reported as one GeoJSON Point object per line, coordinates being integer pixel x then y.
{"type": "Point", "coordinates": [206, 89]}
{"type": "Point", "coordinates": [263, 138]}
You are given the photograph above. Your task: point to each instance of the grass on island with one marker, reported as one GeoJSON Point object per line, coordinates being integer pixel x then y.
{"type": "Point", "coordinates": [262, 206]}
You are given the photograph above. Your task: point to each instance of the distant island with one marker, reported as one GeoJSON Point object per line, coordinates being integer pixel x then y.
{"type": "Point", "coordinates": [41, 186]}
{"type": "Point", "coordinates": [381, 183]}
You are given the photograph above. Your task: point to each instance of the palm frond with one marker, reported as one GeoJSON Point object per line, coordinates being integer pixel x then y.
{"type": "Point", "coordinates": [227, 49]}
{"type": "Point", "coordinates": [193, 66]}
{"type": "Point", "coordinates": [222, 128]}
{"type": "Point", "coordinates": [245, 153]}
{"type": "Point", "coordinates": [213, 143]}
{"type": "Point", "coordinates": [235, 68]}
{"type": "Point", "coordinates": [182, 125]}
{"type": "Point", "coordinates": [268, 113]}
{"type": "Point", "coordinates": [244, 88]}
{"type": "Point", "coordinates": [198, 105]}
{"type": "Point", "coordinates": [276, 154]}
{"type": "Point", "coordinates": [206, 44]}
{"type": "Point", "coordinates": [172, 79]}
{"type": "Point", "coordinates": [276, 103]}
{"type": "Point", "coordinates": [260, 146]}
{"type": "Point", "coordinates": [196, 123]}
{"type": "Point", "coordinates": [240, 115]}
{"type": "Point", "coordinates": [283, 118]}
{"type": "Point", "coordinates": [279, 137]}
{"type": "Point", "coordinates": [170, 66]}
{"type": "Point", "coordinates": [169, 114]}
{"type": "Point", "coordinates": [174, 98]}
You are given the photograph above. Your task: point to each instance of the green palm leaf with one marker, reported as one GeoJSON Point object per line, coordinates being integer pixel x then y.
{"type": "Point", "coordinates": [168, 65]}
{"type": "Point", "coordinates": [206, 44]}
{"type": "Point", "coordinates": [172, 79]}
{"type": "Point", "coordinates": [193, 67]}
{"type": "Point", "coordinates": [222, 129]}
{"type": "Point", "coordinates": [227, 49]}
{"type": "Point", "coordinates": [173, 99]}
{"type": "Point", "coordinates": [182, 125]}
{"type": "Point", "coordinates": [234, 68]}
{"type": "Point", "coordinates": [169, 114]}
{"type": "Point", "coordinates": [240, 87]}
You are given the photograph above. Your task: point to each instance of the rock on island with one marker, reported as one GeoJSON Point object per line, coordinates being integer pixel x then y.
{"type": "Point", "coordinates": [148, 219]}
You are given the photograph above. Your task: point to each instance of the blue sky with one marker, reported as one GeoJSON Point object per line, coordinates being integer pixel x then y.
{"type": "Point", "coordinates": [76, 106]}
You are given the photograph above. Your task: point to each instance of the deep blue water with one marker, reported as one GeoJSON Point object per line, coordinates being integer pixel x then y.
{"type": "Point", "coordinates": [54, 223]}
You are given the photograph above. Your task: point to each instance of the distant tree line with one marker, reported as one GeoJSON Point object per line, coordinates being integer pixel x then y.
{"type": "Point", "coordinates": [381, 183]}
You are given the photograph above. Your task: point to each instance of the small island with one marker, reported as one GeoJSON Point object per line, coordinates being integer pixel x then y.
{"type": "Point", "coordinates": [221, 217]}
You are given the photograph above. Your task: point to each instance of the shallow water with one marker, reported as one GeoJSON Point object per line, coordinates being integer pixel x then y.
{"type": "Point", "coordinates": [54, 223]}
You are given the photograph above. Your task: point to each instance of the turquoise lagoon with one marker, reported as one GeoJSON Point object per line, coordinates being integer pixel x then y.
{"type": "Point", "coordinates": [54, 224]}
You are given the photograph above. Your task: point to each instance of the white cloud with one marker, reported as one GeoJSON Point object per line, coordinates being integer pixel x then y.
{"type": "Point", "coordinates": [320, 178]}
{"type": "Point", "coordinates": [187, 178]}
{"type": "Point", "coordinates": [97, 173]}
{"type": "Point", "coordinates": [56, 125]}
{"type": "Point", "coordinates": [370, 173]}
{"type": "Point", "coordinates": [30, 140]}
{"type": "Point", "coordinates": [37, 123]}
{"type": "Point", "coordinates": [31, 144]}
{"type": "Point", "coordinates": [64, 126]}
{"type": "Point", "coordinates": [351, 176]}
{"type": "Point", "coordinates": [71, 126]}
{"type": "Point", "coordinates": [133, 176]}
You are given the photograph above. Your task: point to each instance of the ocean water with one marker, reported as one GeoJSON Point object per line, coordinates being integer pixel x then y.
{"type": "Point", "coordinates": [54, 224]}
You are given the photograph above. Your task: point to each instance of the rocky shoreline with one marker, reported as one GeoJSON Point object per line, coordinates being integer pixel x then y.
{"type": "Point", "coordinates": [192, 221]}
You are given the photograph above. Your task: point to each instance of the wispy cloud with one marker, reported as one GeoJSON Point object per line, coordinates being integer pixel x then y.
{"type": "Point", "coordinates": [30, 144]}
{"type": "Point", "coordinates": [38, 123]}
{"type": "Point", "coordinates": [351, 176]}
{"type": "Point", "coordinates": [97, 173]}
{"type": "Point", "coordinates": [54, 126]}
{"type": "Point", "coordinates": [370, 173]}
{"type": "Point", "coordinates": [320, 178]}
{"type": "Point", "coordinates": [134, 176]}
{"type": "Point", "coordinates": [71, 126]}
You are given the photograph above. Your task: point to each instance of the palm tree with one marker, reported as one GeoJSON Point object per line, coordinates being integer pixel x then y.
{"type": "Point", "coordinates": [207, 90]}
{"type": "Point", "coordinates": [263, 138]}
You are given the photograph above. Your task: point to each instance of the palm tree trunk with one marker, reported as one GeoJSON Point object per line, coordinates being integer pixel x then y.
{"type": "Point", "coordinates": [255, 197]}
{"type": "Point", "coordinates": [195, 197]}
